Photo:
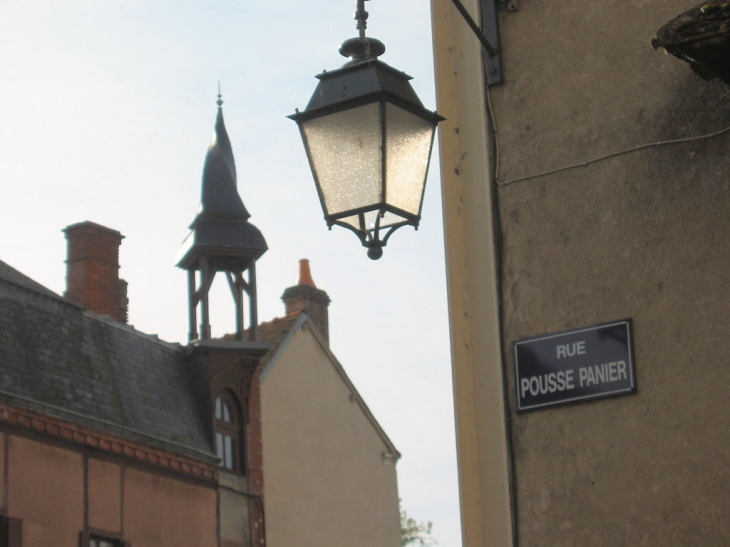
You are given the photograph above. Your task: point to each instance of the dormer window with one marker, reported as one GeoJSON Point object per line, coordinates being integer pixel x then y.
{"type": "Point", "coordinates": [228, 432]}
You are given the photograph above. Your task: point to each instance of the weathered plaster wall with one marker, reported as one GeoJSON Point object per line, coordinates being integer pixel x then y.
{"type": "Point", "coordinates": [58, 493]}
{"type": "Point", "coordinates": [184, 515]}
{"type": "Point", "coordinates": [45, 490]}
{"type": "Point", "coordinates": [326, 481]}
{"type": "Point", "coordinates": [234, 511]}
{"type": "Point", "coordinates": [641, 235]}
{"type": "Point", "coordinates": [104, 484]}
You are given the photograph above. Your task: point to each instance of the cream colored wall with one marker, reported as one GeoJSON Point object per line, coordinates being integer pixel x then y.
{"type": "Point", "coordinates": [324, 476]}
{"type": "Point", "coordinates": [476, 352]}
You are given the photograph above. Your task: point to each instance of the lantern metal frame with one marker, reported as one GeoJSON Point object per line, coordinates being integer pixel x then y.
{"type": "Point", "coordinates": [365, 80]}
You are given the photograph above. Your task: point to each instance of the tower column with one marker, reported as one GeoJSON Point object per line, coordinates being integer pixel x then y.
{"type": "Point", "coordinates": [205, 282]}
{"type": "Point", "coordinates": [235, 282]}
{"type": "Point", "coordinates": [193, 306]}
{"type": "Point", "coordinates": [253, 303]}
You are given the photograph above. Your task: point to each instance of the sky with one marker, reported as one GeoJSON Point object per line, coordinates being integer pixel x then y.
{"type": "Point", "coordinates": [106, 112]}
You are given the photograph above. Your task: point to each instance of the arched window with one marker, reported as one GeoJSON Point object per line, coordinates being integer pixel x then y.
{"type": "Point", "coordinates": [228, 432]}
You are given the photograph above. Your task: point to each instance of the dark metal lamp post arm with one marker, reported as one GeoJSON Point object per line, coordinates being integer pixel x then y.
{"type": "Point", "coordinates": [475, 28]}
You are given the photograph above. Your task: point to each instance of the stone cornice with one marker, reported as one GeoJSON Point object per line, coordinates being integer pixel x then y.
{"type": "Point", "coordinates": [86, 437]}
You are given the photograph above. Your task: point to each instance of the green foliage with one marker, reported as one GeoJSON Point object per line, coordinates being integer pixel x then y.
{"type": "Point", "coordinates": [415, 533]}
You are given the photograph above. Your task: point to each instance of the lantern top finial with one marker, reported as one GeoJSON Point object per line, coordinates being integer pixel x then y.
{"type": "Point", "coordinates": [362, 49]}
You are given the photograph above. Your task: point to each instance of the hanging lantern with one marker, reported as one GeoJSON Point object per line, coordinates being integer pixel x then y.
{"type": "Point", "coordinates": [368, 139]}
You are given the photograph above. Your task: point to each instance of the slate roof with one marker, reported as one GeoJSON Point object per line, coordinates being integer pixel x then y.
{"type": "Point", "coordinates": [64, 360]}
{"type": "Point", "coordinates": [276, 332]}
{"type": "Point", "coordinates": [11, 275]}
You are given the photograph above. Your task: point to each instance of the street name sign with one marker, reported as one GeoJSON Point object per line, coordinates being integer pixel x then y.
{"type": "Point", "coordinates": [575, 365]}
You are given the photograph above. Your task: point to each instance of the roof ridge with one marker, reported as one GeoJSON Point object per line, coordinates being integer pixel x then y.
{"type": "Point", "coordinates": [16, 278]}
{"type": "Point", "coordinates": [174, 346]}
{"type": "Point", "coordinates": [10, 275]}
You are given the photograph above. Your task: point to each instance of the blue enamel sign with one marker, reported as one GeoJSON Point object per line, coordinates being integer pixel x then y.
{"type": "Point", "coordinates": [575, 365]}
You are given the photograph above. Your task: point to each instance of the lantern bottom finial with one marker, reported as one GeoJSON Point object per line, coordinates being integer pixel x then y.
{"type": "Point", "coordinates": [375, 250]}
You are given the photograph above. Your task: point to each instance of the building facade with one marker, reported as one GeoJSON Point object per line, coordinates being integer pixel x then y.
{"type": "Point", "coordinates": [589, 186]}
{"type": "Point", "coordinates": [330, 468]}
{"type": "Point", "coordinates": [110, 437]}
{"type": "Point", "coordinates": [104, 442]}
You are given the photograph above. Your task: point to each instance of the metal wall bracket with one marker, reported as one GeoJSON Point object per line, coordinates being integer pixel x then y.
{"type": "Point", "coordinates": [488, 35]}
{"type": "Point", "coordinates": [490, 28]}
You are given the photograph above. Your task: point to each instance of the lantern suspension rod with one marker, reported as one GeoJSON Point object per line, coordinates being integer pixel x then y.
{"type": "Point", "coordinates": [474, 27]}
{"type": "Point", "coordinates": [361, 16]}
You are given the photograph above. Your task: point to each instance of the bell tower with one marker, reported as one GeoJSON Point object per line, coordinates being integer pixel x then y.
{"type": "Point", "coordinates": [221, 240]}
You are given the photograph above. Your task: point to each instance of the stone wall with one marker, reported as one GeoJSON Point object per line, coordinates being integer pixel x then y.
{"type": "Point", "coordinates": [640, 235]}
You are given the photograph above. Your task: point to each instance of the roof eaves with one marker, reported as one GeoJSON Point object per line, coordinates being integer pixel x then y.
{"type": "Point", "coordinates": [108, 427]}
{"type": "Point", "coordinates": [272, 357]}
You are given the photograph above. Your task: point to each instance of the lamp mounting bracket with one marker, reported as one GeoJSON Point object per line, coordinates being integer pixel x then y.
{"type": "Point", "coordinates": [488, 35]}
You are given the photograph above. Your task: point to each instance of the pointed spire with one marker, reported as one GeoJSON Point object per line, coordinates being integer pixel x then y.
{"type": "Point", "coordinates": [222, 219]}
{"type": "Point", "coordinates": [219, 193]}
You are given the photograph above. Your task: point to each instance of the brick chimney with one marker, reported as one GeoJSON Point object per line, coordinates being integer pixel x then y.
{"type": "Point", "coordinates": [92, 270]}
{"type": "Point", "coordinates": [306, 297]}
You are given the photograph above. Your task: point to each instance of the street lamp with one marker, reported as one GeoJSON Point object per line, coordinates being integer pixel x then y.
{"type": "Point", "coordinates": [368, 139]}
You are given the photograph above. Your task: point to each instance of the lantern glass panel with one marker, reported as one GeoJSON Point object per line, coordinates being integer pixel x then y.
{"type": "Point", "coordinates": [345, 149]}
{"type": "Point", "coordinates": [389, 219]}
{"type": "Point", "coordinates": [408, 148]}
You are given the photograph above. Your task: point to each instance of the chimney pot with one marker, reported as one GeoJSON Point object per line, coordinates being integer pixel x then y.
{"type": "Point", "coordinates": [305, 276]}
{"type": "Point", "coordinates": [306, 297]}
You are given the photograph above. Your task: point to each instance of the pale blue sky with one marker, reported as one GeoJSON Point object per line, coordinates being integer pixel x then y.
{"type": "Point", "coordinates": [107, 109]}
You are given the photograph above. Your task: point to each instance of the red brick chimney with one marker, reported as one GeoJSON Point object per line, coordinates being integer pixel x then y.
{"type": "Point", "coordinates": [92, 270]}
{"type": "Point", "coordinates": [306, 297]}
